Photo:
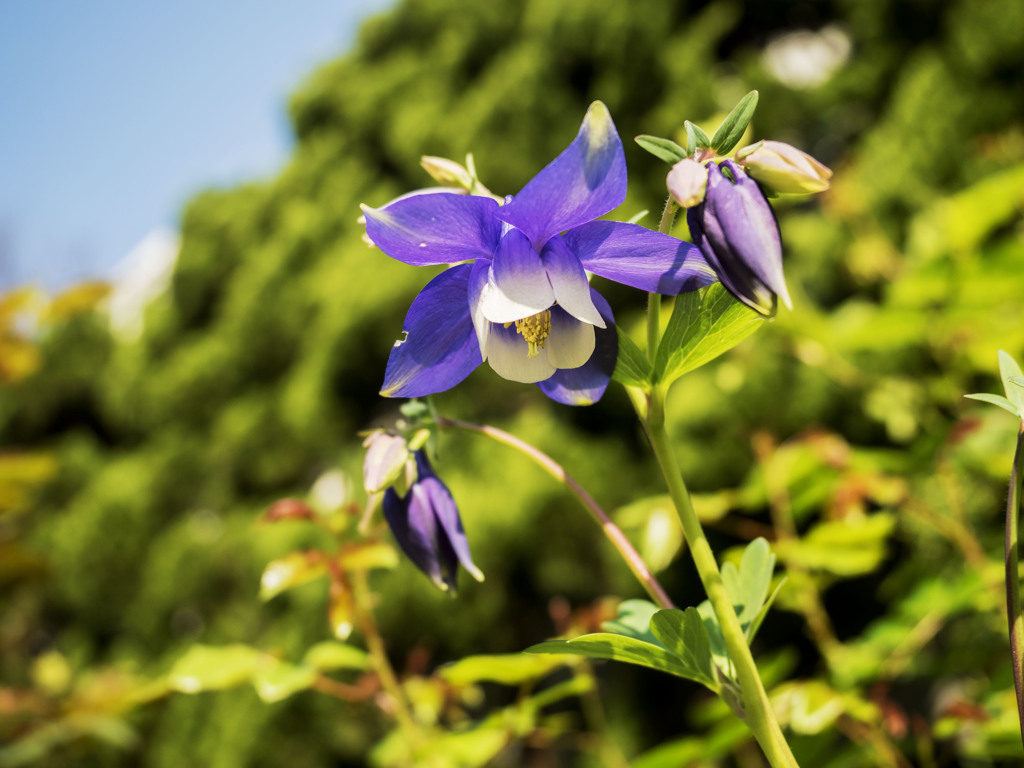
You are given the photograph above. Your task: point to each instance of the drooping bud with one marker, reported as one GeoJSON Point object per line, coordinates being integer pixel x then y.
{"type": "Point", "coordinates": [427, 526]}
{"type": "Point", "coordinates": [687, 182]}
{"type": "Point", "coordinates": [447, 172]}
{"type": "Point", "coordinates": [737, 233]}
{"type": "Point", "coordinates": [386, 456]}
{"type": "Point", "coordinates": [784, 168]}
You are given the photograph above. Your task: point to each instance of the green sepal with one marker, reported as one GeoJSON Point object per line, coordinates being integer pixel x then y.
{"type": "Point", "coordinates": [695, 137]}
{"type": "Point", "coordinates": [632, 367]}
{"type": "Point", "coordinates": [663, 149]}
{"type": "Point", "coordinates": [731, 130]}
{"type": "Point", "coordinates": [704, 324]}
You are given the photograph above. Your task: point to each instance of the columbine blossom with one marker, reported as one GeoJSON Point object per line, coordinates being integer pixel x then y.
{"type": "Point", "coordinates": [427, 526]}
{"type": "Point", "coordinates": [737, 232]}
{"type": "Point", "coordinates": [522, 301]}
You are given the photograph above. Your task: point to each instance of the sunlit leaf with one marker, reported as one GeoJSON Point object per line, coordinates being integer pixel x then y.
{"type": "Point", "coordinates": [367, 555]}
{"type": "Point", "coordinates": [277, 680]}
{"type": "Point", "coordinates": [849, 547]}
{"type": "Point", "coordinates": [619, 648]}
{"type": "Point", "coordinates": [330, 655]}
{"type": "Point", "coordinates": [212, 668]}
{"type": "Point", "coordinates": [632, 367]}
{"type": "Point", "coordinates": [999, 400]}
{"type": "Point", "coordinates": [1009, 370]}
{"type": "Point", "coordinates": [289, 571]}
{"type": "Point", "coordinates": [508, 669]}
{"type": "Point", "coordinates": [634, 620]}
{"type": "Point", "coordinates": [704, 324]}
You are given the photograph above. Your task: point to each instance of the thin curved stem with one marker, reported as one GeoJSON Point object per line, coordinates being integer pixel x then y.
{"type": "Point", "coordinates": [611, 530]}
{"type": "Point", "coordinates": [758, 712]}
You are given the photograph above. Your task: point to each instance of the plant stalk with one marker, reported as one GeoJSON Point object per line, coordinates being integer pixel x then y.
{"type": "Point", "coordinates": [611, 530]}
{"type": "Point", "coordinates": [758, 712]}
{"type": "Point", "coordinates": [1013, 610]}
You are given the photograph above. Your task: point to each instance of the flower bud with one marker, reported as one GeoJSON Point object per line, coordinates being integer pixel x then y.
{"type": "Point", "coordinates": [687, 182]}
{"type": "Point", "coordinates": [427, 527]}
{"type": "Point", "coordinates": [735, 229]}
{"type": "Point", "coordinates": [386, 457]}
{"type": "Point", "coordinates": [447, 172]}
{"type": "Point", "coordinates": [784, 168]}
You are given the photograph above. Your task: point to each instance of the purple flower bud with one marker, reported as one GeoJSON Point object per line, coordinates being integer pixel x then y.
{"type": "Point", "coordinates": [784, 168]}
{"type": "Point", "coordinates": [737, 233]}
{"type": "Point", "coordinates": [427, 526]}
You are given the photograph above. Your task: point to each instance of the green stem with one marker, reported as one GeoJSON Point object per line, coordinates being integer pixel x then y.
{"type": "Point", "coordinates": [611, 530]}
{"type": "Point", "coordinates": [1013, 612]}
{"type": "Point", "coordinates": [758, 712]}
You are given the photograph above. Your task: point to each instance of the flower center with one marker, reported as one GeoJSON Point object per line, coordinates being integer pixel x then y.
{"type": "Point", "coordinates": [535, 330]}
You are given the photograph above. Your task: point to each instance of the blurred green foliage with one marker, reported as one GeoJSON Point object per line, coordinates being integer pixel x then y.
{"type": "Point", "coordinates": [133, 468]}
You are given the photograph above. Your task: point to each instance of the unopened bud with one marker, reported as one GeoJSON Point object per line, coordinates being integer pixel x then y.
{"type": "Point", "coordinates": [687, 182]}
{"type": "Point", "coordinates": [386, 458]}
{"type": "Point", "coordinates": [447, 172]}
{"type": "Point", "coordinates": [784, 168]}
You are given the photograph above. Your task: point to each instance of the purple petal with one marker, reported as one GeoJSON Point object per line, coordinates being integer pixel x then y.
{"type": "Point", "coordinates": [415, 527]}
{"type": "Point", "coordinates": [737, 231]}
{"type": "Point", "coordinates": [440, 348]}
{"type": "Point", "coordinates": [638, 257]}
{"type": "Point", "coordinates": [569, 282]}
{"type": "Point", "coordinates": [438, 228]}
{"type": "Point", "coordinates": [448, 516]}
{"type": "Point", "coordinates": [585, 385]}
{"type": "Point", "coordinates": [586, 181]}
{"type": "Point", "coordinates": [518, 283]}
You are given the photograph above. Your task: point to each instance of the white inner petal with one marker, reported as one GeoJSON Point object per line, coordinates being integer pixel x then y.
{"type": "Point", "coordinates": [507, 354]}
{"type": "Point", "coordinates": [570, 344]}
{"type": "Point", "coordinates": [526, 295]}
{"type": "Point", "coordinates": [569, 283]}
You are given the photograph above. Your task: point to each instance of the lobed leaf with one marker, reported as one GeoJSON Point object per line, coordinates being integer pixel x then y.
{"type": "Point", "coordinates": [632, 368]}
{"type": "Point", "coordinates": [704, 324]}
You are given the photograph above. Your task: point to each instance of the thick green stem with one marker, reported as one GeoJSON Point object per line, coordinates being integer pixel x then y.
{"type": "Point", "coordinates": [1013, 612]}
{"type": "Point", "coordinates": [758, 712]}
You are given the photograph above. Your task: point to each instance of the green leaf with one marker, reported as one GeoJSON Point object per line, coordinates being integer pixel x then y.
{"type": "Point", "coordinates": [999, 400]}
{"type": "Point", "coordinates": [289, 571]}
{"type": "Point", "coordinates": [632, 367]}
{"type": "Point", "coordinates": [704, 324]}
{"type": "Point", "coordinates": [849, 547]}
{"type": "Point", "coordinates": [330, 655]}
{"type": "Point", "coordinates": [755, 625]}
{"type": "Point", "coordinates": [604, 645]}
{"type": "Point", "coordinates": [1009, 369]}
{"type": "Point", "coordinates": [663, 149]}
{"type": "Point", "coordinates": [683, 634]}
{"type": "Point", "coordinates": [277, 680]}
{"type": "Point", "coordinates": [508, 669]}
{"type": "Point", "coordinates": [695, 137]}
{"type": "Point", "coordinates": [213, 668]}
{"type": "Point", "coordinates": [731, 130]}
{"type": "Point", "coordinates": [748, 585]}
{"type": "Point", "coordinates": [634, 620]}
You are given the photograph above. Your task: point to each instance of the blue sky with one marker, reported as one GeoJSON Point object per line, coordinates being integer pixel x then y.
{"type": "Point", "coordinates": [115, 112]}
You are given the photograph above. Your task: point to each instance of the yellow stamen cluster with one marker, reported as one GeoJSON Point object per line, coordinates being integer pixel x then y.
{"type": "Point", "coordinates": [535, 330]}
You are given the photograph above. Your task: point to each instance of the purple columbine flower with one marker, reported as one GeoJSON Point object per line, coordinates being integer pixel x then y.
{"type": "Point", "coordinates": [427, 527]}
{"type": "Point", "coordinates": [737, 232]}
{"type": "Point", "coordinates": [522, 301]}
